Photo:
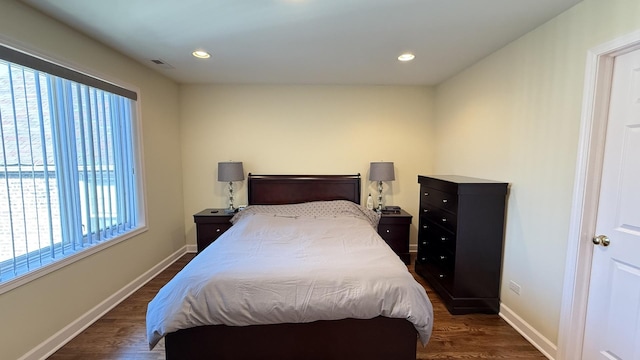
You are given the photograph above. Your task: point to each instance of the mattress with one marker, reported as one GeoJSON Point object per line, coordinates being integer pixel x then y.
{"type": "Point", "coordinates": [292, 264]}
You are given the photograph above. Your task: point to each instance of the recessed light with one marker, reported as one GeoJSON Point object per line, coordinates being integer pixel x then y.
{"type": "Point", "coordinates": [201, 54]}
{"type": "Point", "coordinates": [406, 57]}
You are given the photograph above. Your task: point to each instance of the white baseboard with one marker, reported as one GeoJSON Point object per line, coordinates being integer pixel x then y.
{"type": "Point", "coordinates": [192, 248]}
{"type": "Point", "coordinates": [546, 347]}
{"type": "Point", "coordinates": [59, 339]}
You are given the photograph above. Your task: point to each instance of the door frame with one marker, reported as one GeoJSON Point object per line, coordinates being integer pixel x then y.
{"type": "Point", "coordinates": [593, 128]}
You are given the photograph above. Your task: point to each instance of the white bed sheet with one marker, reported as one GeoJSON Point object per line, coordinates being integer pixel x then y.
{"type": "Point", "coordinates": [271, 269]}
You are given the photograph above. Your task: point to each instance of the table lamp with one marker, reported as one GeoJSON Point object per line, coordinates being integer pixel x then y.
{"type": "Point", "coordinates": [381, 171]}
{"type": "Point", "coordinates": [230, 171]}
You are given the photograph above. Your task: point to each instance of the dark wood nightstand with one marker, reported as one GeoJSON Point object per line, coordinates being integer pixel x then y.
{"type": "Point", "coordinates": [210, 224]}
{"type": "Point", "coordinates": [394, 229]}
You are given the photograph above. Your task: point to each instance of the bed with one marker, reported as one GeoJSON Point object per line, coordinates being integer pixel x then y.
{"type": "Point", "coordinates": [265, 328]}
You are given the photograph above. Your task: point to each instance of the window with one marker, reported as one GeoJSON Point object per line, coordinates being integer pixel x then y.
{"type": "Point", "coordinates": [67, 163]}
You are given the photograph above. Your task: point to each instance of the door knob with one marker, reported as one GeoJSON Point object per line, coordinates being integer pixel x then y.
{"type": "Point", "coordinates": [601, 240]}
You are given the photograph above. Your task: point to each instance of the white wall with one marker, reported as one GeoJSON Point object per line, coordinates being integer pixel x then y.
{"type": "Point", "coordinates": [303, 130]}
{"type": "Point", "coordinates": [515, 116]}
{"type": "Point", "coordinates": [32, 313]}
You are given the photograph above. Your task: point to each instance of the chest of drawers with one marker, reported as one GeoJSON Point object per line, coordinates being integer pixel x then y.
{"type": "Point", "coordinates": [460, 237]}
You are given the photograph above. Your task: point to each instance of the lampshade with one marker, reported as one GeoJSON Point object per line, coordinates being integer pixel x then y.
{"type": "Point", "coordinates": [230, 171]}
{"type": "Point", "coordinates": [381, 171]}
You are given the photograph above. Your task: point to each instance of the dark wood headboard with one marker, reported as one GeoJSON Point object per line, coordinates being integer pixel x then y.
{"type": "Point", "coordinates": [294, 189]}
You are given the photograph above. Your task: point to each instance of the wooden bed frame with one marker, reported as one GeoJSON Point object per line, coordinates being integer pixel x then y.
{"type": "Point", "coordinates": [379, 338]}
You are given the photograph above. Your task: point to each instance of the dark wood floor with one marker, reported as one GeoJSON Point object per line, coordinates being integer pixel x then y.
{"type": "Point", "coordinates": [120, 334]}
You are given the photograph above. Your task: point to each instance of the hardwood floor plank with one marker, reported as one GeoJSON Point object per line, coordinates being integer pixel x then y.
{"type": "Point", "coordinates": [121, 334]}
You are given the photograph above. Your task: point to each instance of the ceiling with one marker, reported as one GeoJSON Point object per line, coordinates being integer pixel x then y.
{"type": "Point", "coordinates": [354, 42]}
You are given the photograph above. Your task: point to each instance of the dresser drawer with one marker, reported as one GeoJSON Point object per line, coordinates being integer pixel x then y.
{"type": "Point", "coordinates": [425, 244]}
{"type": "Point", "coordinates": [442, 275]}
{"type": "Point", "coordinates": [441, 217]}
{"type": "Point", "coordinates": [436, 252]}
{"type": "Point", "coordinates": [426, 247]}
{"type": "Point", "coordinates": [208, 233]}
{"type": "Point", "coordinates": [435, 235]}
{"type": "Point", "coordinates": [421, 258]}
{"type": "Point", "coordinates": [212, 231]}
{"type": "Point", "coordinates": [438, 199]}
{"type": "Point", "coordinates": [396, 236]}
{"type": "Point", "coordinates": [443, 259]}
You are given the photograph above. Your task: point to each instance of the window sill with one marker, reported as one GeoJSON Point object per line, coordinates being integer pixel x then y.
{"type": "Point", "coordinates": [36, 274]}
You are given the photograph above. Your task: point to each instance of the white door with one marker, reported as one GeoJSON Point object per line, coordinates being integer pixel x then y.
{"type": "Point", "coordinates": [613, 312]}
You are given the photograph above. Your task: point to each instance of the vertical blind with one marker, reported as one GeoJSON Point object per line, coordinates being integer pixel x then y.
{"type": "Point", "coordinates": [67, 168]}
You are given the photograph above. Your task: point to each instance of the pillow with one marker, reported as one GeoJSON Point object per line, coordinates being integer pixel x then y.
{"type": "Point", "coordinates": [336, 208]}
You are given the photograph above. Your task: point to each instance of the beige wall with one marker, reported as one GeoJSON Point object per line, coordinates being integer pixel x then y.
{"type": "Point", "coordinates": [303, 130]}
{"type": "Point", "coordinates": [32, 313]}
{"type": "Point", "coordinates": [515, 117]}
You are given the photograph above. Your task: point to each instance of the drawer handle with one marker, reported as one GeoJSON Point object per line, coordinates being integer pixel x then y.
{"type": "Point", "coordinates": [425, 210]}
{"type": "Point", "coordinates": [443, 238]}
{"type": "Point", "coordinates": [444, 220]}
{"type": "Point", "coordinates": [425, 226]}
{"type": "Point", "coordinates": [442, 276]}
{"type": "Point", "coordinates": [426, 194]}
{"type": "Point", "coordinates": [423, 258]}
{"type": "Point", "coordinates": [218, 230]}
{"type": "Point", "coordinates": [388, 230]}
{"type": "Point", "coordinates": [424, 243]}
{"type": "Point", "coordinates": [445, 200]}
{"type": "Point", "coordinates": [442, 257]}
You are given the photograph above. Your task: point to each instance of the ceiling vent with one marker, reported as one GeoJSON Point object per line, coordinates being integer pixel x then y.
{"type": "Point", "coordinates": [161, 64]}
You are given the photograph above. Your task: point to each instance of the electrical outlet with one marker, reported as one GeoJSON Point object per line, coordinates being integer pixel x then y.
{"type": "Point", "coordinates": [514, 287]}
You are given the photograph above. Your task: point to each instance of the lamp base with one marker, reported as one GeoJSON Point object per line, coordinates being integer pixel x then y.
{"type": "Point", "coordinates": [380, 205]}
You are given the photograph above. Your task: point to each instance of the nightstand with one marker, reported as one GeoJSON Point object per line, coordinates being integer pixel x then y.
{"type": "Point", "coordinates": [394, 229]}
{"type": "Point", "coordinates": [210, 224]}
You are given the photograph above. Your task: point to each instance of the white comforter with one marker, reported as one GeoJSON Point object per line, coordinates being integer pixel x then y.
{"type": "Point", "coordinates": [271, 269]}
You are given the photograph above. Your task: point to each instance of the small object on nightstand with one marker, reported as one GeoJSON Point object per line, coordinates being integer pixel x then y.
{"type": "Point", "coordinates": [391, 209]}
